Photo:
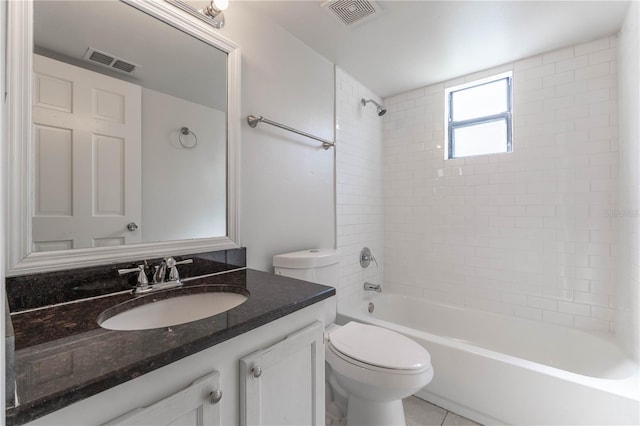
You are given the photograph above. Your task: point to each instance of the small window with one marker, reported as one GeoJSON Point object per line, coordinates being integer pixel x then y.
{"type": "Point", "coordinates": [479, 117]}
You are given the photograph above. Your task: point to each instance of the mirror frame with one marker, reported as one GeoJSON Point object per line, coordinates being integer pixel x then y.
{"type": "Point", "coordinates": [18, 158]}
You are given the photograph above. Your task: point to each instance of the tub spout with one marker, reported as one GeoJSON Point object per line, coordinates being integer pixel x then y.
{"type": "Point", "coordinates": [372, 287]}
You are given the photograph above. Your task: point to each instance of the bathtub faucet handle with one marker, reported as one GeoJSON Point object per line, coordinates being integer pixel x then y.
{"type": "Point", "coordinates": [366, 257]}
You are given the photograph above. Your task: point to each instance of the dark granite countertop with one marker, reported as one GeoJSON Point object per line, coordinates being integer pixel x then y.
{"type": "Point", "coordinates": [62, 355]}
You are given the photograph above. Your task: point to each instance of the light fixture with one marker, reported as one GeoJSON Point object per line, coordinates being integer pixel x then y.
{"type": "Point", "coordinates": [214, 11]}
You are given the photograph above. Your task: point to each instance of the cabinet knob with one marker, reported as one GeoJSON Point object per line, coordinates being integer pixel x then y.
{"type": "Point", "coordinates": [215, 396]}
{"type": "Point", "coordinates": [257, 372]}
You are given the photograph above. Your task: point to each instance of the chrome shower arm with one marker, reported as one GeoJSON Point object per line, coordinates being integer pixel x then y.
{"type": "Point", "coordinates": [381, 110]}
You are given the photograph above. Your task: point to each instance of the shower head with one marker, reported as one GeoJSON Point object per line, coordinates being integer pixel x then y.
{"type": "Point", "coordinates": [381, 110]}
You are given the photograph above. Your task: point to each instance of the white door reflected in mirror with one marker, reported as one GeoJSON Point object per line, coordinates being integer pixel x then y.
{"type": "Point", "coordinates": [87, 142]}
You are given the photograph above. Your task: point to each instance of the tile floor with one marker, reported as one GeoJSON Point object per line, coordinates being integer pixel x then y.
{"type": "Point", "coordinates": [418, 412]}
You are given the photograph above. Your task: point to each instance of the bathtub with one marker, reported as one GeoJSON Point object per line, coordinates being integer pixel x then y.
{"type": "Point", "coordinates": [496, 369]}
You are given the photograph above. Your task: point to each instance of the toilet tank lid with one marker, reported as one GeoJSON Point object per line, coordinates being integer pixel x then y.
{"type": "Point", "coordinates": [304, 259]}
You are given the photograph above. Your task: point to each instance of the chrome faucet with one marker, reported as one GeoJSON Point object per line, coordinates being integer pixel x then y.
{"type": "Point", "coordinates": [160, 273]}
{"type": "Point", "coordinates": [159, 282]}
{"type": "Point", "coordinates": [372, 287]}
{"type": "Point", "coordinates": [161, 270]}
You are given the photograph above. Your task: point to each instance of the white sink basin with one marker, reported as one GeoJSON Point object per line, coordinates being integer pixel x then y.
{"type": "Point", "coordinates": [171, 311]}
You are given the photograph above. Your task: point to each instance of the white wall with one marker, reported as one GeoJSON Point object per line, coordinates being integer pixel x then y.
{"type": "Point", "coordinates": [358, 187]}
{"type": "Point", "coordinates": [287, 191]}
{"type": "Point", "coordinates": [527, 233]}
{"type": "Point", "coordinates": [183, 190]}
{"type": "Point", "coordinates": [628, 216]}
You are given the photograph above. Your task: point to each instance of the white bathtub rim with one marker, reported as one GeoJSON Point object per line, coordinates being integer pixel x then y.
{"type": "Point", "coordinates": [608, 338]}
{"type": "Point", "coordinates": [626, 387]}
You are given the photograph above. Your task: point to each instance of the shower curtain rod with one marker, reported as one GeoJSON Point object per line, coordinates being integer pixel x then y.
{"type": "Point", "coordinates": [253, 122]}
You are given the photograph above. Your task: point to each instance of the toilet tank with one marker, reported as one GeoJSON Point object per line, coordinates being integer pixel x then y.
{"type": "Point", "coordinates": [315, 265]}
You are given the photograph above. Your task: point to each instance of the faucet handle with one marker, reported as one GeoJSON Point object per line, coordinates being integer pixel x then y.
{"type": "Point", "coordinates": [143, 281]}
{"type": "Point", "coordinates": [182, 262]}
{"type": "Point", "coordinates": [366, 257]}
{"type": "Point", "coordinates": [172, 263]}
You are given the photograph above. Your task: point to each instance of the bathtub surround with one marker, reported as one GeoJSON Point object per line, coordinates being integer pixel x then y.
{"type": "Point", "coordinates": [628, 216]}
{"type": "Point", "coordinates": [359, 205]}
{"type": "Point", "coordinates": [528, 233]}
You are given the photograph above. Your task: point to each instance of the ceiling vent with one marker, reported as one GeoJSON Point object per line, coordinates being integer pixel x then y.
{"type": "Point", "coordinates": [352, 12]}
{"type": "Point", "coordinates": [109, 60]}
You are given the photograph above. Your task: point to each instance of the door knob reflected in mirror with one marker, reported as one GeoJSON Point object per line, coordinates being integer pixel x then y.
{"type": "Point", "coordinates": [215, 396]}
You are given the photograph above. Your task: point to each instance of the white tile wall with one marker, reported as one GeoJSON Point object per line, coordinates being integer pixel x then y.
{"type": "Point", "coordinates": [628, 215]}
{"type": "Point", "coordinates": [358, 186]}
{"type": "Point", "coordinates": [528, 233]}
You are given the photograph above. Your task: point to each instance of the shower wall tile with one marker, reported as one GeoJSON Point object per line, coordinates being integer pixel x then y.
{"type": "Point", "coordinates": [359, 204]}
{"type": "Point", "coordinates": [530, 233]}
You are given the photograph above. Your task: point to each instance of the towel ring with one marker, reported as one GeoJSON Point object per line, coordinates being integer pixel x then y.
{"type": "Point", "coordinates": [184, 131]}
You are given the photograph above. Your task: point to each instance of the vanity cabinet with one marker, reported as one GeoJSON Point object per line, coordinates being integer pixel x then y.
{"type": "Point", "coordinates": [289, 389]}
{"type": "Point", "coordinates": [284, 383]}
{"type": "Point", "coordinates": [280, 385]}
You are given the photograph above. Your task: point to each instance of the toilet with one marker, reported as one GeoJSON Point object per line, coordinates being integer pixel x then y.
{"type": "Point", "coordinates": [369, 369]}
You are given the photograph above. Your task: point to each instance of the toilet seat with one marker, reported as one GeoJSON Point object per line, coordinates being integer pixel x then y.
{"type": "Point", "coordinates": [378, 349]}
{"type": "Point", "coordinates": [351, 362]}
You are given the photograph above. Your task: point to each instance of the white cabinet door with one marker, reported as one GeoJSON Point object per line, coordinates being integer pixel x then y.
{"type": "Point", "coordinates": [194, 406]}
{"type": "Point", "coordinates": [87, 147]}
{"type": "Point", "coordinates": [284, 384]}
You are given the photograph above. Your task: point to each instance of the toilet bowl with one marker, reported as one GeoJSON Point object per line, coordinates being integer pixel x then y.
{"type": "Point", "coordinates": [369, 369]}
{"type": "Point", "coordinates": [372, 369]}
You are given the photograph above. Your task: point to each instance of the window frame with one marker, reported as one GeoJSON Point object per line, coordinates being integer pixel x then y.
{"type": "Point", "coordinates": [507, 115]}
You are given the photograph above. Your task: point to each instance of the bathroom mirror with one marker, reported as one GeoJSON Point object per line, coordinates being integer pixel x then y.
{"type": "Point", "coordinates": [123, 143]}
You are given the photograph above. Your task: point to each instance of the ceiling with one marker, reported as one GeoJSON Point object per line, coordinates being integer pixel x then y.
{"type": "Point", "coordinates": [416, 43]}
